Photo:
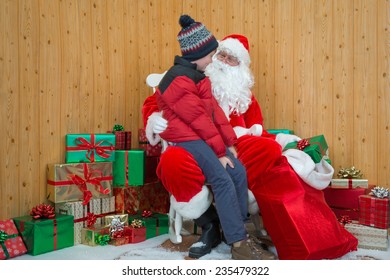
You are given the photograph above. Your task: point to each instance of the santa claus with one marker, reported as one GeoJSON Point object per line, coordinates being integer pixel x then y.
{"type": "Point", "coordinates": [285, 185]}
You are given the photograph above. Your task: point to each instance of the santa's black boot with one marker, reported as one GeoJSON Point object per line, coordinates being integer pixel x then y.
{"type": "Point", "coordinates": [211, 234]}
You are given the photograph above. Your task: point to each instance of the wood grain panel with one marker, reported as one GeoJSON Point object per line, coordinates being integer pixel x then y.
{"type": "Point", "coordinates": [51, 136]}
{"type": "Point", "coordinates": [284, 65]}
{"type": "Point", "coordinates": [341, 151]}
{"type": "Point", "coordinates": [29, 107]}
{"type": "Point", "coordinates": [10, 95]}
{"type": "Point", "coordinates": [303, 67]}
{"type": "Point", "coordinates": [365, 88]}
{"type": "Point", "coordinates": [383, 92]}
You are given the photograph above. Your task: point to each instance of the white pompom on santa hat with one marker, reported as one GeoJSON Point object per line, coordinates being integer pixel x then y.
{"type": "Point", "coordinates": [236, 45]}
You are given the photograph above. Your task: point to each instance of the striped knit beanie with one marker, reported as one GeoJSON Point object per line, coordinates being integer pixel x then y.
{"type": "Point", "coordinates": [195, 40]}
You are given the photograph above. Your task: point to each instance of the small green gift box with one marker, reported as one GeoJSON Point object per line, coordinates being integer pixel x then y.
{"type": "Point", "coordinates": [46, 235]}
{"type": "Point", "coordinates": [89, 147]}
{"type": "Point", "coordinates": [95, 236]}
{"type": "Point", "coordinates": [316, 147]}
{"type": "Point", "coordinates": [156, 223]}
{"type": "Point", "coordinates": [276, 131]}
{"type": "Point", "coordinates": [129, 168]}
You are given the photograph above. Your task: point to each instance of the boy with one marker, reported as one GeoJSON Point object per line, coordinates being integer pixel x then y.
{"type": "Point", "coordinates": [197, 124]}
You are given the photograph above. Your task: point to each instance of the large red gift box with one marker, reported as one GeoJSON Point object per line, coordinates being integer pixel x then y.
{"type": "Point", "coordinates": [11, 243]}
{"type": "Point", "coordinates": [344, 202]}
{"type": "Point", "coordinates": [374, 211]}
{"type": "Point", "coordinates": [150, 151]}
{"type": "Point", "coordinates": [154, 197]}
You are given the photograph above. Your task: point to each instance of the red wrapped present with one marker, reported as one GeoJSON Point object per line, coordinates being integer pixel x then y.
{"type": "Point", "coordinates": [374, 211]}
{"type": "Point", "coordinates": [144, 144]}
{"type": "Point", "coordinates": [11, 243]}
{"type": "Point", "coordinates": [154, 197]}
{"type": "Point", "coordinates": [122, 140]}
{"type": "Point", "coordinates": [344, 202]}
{"type": "Point", "coordinates": [127, 199]}
{"type": "Point", "coordinates": [150, 169]}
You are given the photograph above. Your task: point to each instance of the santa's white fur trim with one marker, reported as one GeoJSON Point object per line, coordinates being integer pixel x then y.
{"type": "Point", "coordinates": [316, 175]}
{"type": "Point", "coordinates": [253, 207]}
{"type": "Point", "coordinates": [236, 48]}
{"type": "Point", "coordinates": [194, 208]}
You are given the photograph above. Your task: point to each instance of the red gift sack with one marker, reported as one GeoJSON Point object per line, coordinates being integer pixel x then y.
{"type": "Point", "coordinates": [298, 220]}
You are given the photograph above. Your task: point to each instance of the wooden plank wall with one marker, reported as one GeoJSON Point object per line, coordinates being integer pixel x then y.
{"type": "Point", "coordinates": [79, 66]}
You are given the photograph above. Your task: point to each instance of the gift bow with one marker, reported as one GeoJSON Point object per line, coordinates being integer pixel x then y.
{"type": "Point", "coordinates": [82, 183]}
{"type": "Point", "coordinates": [91, 147]}
{"type": "Point", "coordinates": [117, 227]}
{"type": "Point", "coordinates": [302, 144]}
{"type": "Point", "coordinates": [345, 219]}
{"type": "Point", "coordinates": [91, 219]}
{"type": "Point", "coordinates": [350, 173]}
{"type": "Point", "coordinates": [147, 213]}
{"type": "Point", "coordinates": [380, 192]}
{"type": "Point", "coordinates": [3, 236]}
{"type": "Point", "coordinates": [136, 223]}
{"type": "Point", "coordinates": [43, 211]}
{"type": "Point", "coordinates": [118, 127]}
{"type": "Point", "coordinates": [102, 239]}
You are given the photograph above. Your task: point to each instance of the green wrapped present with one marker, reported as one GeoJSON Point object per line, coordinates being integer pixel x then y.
{"type": "Point", "coordinates": [89, 147]}
{"type": "Point", "coordinates": [129, 168]}
{"type": "Point", "coordinates": [46, 235]}
{"type": "Point", "coordinates": [316, 147]}
{"type": "Point", "coordinates": [96, 235]}
{"type": "Point", "coordinates": [276, 131]}
{"type": "Point", "coordinates": [156, 223]}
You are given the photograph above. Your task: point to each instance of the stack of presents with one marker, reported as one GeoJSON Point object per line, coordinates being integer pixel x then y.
{"type": "Point", "coordinates": [105, 193]}
{"type": "Point", "coordinates": [363, 208]}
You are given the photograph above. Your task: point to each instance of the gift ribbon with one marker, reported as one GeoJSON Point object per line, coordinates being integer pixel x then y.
{"type": "Point", "coordinates": [82, 182]}
{"type": "Point", "coordinates": [92, 217]}
{"type": "Point", "coordinates": [302, 144]}
{"type": "Point", "coordinates": [92, 147]}
{"type": "Point", "coordinates": [102, 239]}
{"type": "Point", "coordinates": [3, 237]}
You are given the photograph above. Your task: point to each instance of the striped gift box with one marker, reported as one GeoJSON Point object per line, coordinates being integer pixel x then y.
{"type": "Point", "coordinates": [374, 212]}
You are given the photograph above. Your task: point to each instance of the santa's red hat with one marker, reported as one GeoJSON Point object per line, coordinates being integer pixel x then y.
{"type": "Point", "coordinates": [236, 45]}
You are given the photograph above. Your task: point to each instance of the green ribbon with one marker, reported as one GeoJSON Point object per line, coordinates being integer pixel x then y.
{"type": "Point", "coordinates": [118, 127]}
{"type": "Point", "coordinates": [102, 239]}
{"type": "Point", "coordinates": [3, 237]}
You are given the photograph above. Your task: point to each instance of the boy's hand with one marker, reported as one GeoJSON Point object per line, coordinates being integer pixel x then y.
{"type": "Point", "coordinates": [226, 161]}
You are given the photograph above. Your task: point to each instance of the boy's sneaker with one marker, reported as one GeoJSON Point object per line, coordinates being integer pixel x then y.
{"type": "Point", "coordinates": [249, 251]}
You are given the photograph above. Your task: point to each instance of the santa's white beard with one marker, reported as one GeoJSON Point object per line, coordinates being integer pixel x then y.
{"type": "Point", "coordinates": [231, 86]}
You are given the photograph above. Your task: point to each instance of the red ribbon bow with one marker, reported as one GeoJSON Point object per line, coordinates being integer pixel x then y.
{"type": "Point", "coordinates": [43, 211]}
{"type": "Point", "coordinates": [302, 144]}
{"type": "Point", "coordinates": [345, 219]}
{"type": "Point", "coordinates": [91, 147]}
{"type": "Point", "coordinates": [82, 183]}
{"type": "Point", "coordinates": [146, 213]}
{"type": "Point", "coordinates": [91, 219]}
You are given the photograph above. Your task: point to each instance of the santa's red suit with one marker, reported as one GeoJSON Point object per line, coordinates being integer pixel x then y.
{"type": "Point", "coordinates": [286, 186]}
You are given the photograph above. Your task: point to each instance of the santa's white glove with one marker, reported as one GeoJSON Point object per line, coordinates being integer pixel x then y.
{"type": "Point", "coordinates": [283, 139]}
{"type": "Point", "coordinates": [255, 129]}
{"type": "Point", "coordinates": [155, 125]}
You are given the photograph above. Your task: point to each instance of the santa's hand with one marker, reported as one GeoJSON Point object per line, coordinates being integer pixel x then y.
{"type": "Point", "coordinates": [226, 161]}
{"type": "Point", "coordinates": [256, 130]}
{"type": "Point", "coordinates": [283, 139]}
{"type": "Point", "coordinates": [155, 125]}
